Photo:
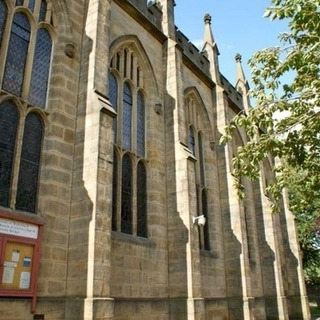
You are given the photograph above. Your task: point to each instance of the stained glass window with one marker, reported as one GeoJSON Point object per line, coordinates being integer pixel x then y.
{"type": "Point", "coordinates": [17, 54]}
{"type": "Point", "coordinates": [206, 226]}
{"type": "Point", "coordinates": [19, 2]}
{"type": "Point", "coordinates": [201, 163]}
{"type": "Point", "coordinates": [192, 143]}
{"type": "Point", "coordinates": [127, 117]}
{"type": "Point", "coordinates": [141, 200]}
{"type": "Point", "coordinates": [8, 132]}
{"type": "Point", "coordinates": [126, 195]}
{"type": "Point", "coordinates": [29, 164]}
{"type": "Point", "coordinates": [43, 10]}
{"type": "Point", "coordinates": [40, 69]}
{"type": "Point", "coordinates": [125, 62]}
{"type": "Point", "coordinates": [140, 124]}
{"type": "Point", "coordinates": [113, 96]}
{"type": "Point", "coordinates": [3, 18]}
{"type": "Point", "coordinates": [31, 5]}
{"type": "Point", "coordinates": [114, 221]}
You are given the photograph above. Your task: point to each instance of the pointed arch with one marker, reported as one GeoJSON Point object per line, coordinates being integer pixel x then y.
{"type": "Point", "coordinates": [17, 54]}
{"type": "Point", "coordinates": [133, 42]}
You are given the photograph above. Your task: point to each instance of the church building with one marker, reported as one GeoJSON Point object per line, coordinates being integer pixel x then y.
{"type": "Point", "coordinates": [117, 201]}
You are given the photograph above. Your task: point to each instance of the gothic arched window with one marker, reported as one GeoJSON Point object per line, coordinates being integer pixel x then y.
{"type": "Point", "coordinates": [25, 62]}
{"type": "Point", "coordinates": [17, 54]}
{"type": "Point", "coordinates": [126, 195]}
{"type": "Point", "coordinates": [127, 117]}
{"type": "Point", "coordinates": [3, 18]}
{"type": "Point", "coordinates": [29, 163]}
{"type": "Point", "coordinates": [128, 98]}
{"type": "Point", "coordinates": [40, 69]}
{"type": "Point", "coordinates": [196, 147]}
{"type": "Point", "coordinates": [140, 124]}
{"type": "Point", "coordinates": [141, 200]}
{"type": "Point", "coordinates": [8, 133]}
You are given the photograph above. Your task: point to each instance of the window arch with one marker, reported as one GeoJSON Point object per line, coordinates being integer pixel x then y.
{"type": "Point", "coordinates": [17, 54]}
{"type": "Point", "coordinates": [40, 69]}
{"type": "Point", "coordinates": [140, 124]}
{"type": "Point", "coordinates": [29, 163]}
{"type": "Point", "coordinates": [27, 63]}
{"type": "Point", "coordinates": [195, 138]}
{"type": "Point", "coordinates": [25, 50]}
{"type": "Point", "coordinates": [127, 116]}
{"type": "Point", "coordinates": [128, 98]}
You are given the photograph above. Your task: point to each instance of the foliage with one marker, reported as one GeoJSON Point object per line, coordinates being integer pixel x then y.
{"type": "Point", "coordinates": [307, 212]}
{"type": "Point", "coordinates": [285, 123]}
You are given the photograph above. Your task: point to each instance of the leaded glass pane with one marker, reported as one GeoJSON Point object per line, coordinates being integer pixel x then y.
{"type": "Point", "coordinates": [115, 192]}
{"type": "Point", "coordinates": [192, 141]}
{"type": "Point", "coordinates": [29, 164]}
{"type": "Point", "coordinates": [140, 125]}
{"type": "Point", "coordinates": [206, 226]}
{"type": "Point", "coordinates": [201, 163]}
{"type": "Point", "coordinates": [127, 117]}
{"type": "Point", "coordinates": [125, 62]}
{"type": "Point", "coordinates": [113, 96]}
{"type": "Point", "coordinates": [41, 69]}
{"type": "Point", "coordinates": [142, 201]}
{"type": "Point", "coordinates": [31, 5]}
{"type": "Point", "coordinates": [19, 2]}
{"type": "Point", "coordinates": [8, 132]}
{"type": "Point", "coordinates": [126, 195]}
{"type": "Point", "coordinates": [17, 54]}
{"type": "Point", "coordinates": [43, 10]}
{"type": "Point", "coordinates": [3, 18]}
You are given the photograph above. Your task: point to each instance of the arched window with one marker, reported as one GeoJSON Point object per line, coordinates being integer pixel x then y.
{"type": "Point", "coordinates": [201, 162]}
{"type": "Point", "coordinates": [40, 69]}
{"type": "Point", "coordinates": [126, 195]}
{"type": "Point", "coordinates": [30, 164]}
{"type": "Point", "coordinates": [140, 124]}
{"type": "Point", "coordinates": [141, 200]}
{"type": "Point", "coordinates": [8, 134]}
{"type": "Point", "coordinates": [113, 96]}
{"type": "Point", "coordinates": [3, 18]}
{"type": "Point", "coordinates": [206, 226]}
{"type": "Point", "coordinates": [17, 54]}
{"type": "Point", "coordinates": [196, 146]}
{"type": "Point", "coordinates": [43, 10]}
{"type": "Point", "coordinates": [31, 5]}
{"type": "Point", "coordinates": [130, 198]}
{"type": "Point", "coordinates": [26, 50]}
{"type": "Point", "coordinates": [127, 117]}
{"type": "Point", "coordinates": [27, 63]}
{"type": "Point", "coordinates": [192, 143]}
{"type": "Point", "coordinates": [114, 221]}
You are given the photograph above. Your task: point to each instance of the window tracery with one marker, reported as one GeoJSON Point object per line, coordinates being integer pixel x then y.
{"type": "Point", "coordinates": [24, 78]}
{"type": "Point", "coordinates": [195, 143]}
{"type": "Point", "coordinates": [127, 97]}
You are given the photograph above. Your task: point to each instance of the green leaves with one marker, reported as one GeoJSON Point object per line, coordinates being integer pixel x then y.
{"type": "Point", "coordinates": [285, 121]}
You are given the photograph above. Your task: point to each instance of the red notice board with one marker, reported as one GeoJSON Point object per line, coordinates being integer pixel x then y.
{"type": "Point", "coordinates": [20, 240]}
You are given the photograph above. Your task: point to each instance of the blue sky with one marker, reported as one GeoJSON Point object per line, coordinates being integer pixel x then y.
{"type": "Point", "coordinates": [238, 27]}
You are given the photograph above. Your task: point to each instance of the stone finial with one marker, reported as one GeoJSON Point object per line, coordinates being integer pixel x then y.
{"type": "Point", "coordinates": [238, 57]}
{"type": "Point", "coordinates": [207, 18]}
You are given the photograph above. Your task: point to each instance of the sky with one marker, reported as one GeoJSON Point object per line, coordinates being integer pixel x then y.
{"type": "Point", "coordinates": [238, 27]}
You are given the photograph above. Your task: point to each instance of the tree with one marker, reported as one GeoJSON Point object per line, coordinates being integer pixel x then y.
{"type": "Point", "coordinates": [285, 122]}
{"type": "Point", "coordinates": [308, 222]}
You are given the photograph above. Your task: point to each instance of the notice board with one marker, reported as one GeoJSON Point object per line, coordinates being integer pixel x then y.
{"type": "Point", "coordinates": [20, 242]}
